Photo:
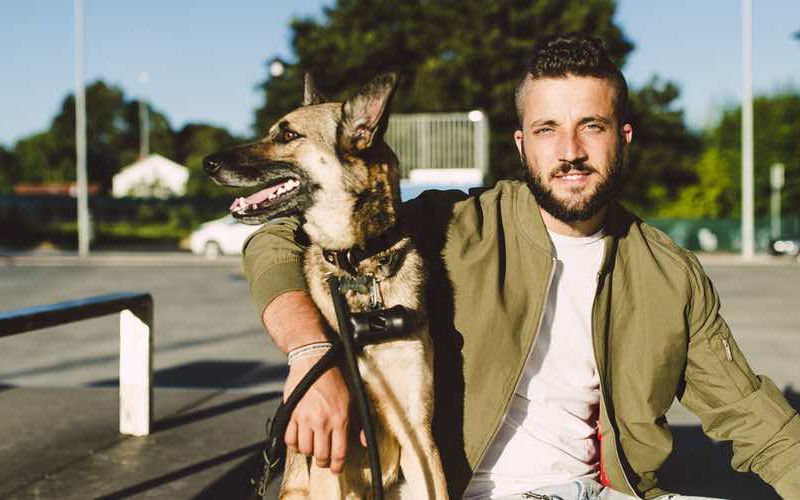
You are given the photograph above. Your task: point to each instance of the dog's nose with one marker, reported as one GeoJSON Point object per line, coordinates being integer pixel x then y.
{"type": "Point", "coordinates": [211, 164]}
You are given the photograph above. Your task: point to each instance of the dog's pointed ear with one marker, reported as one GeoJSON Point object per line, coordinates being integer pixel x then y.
{"type": "Point", "coordinates": [364, 115]}
{"type": "Point", "coordinates": [311, 95]}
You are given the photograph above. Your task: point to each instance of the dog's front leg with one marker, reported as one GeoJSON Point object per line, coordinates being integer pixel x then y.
{"type": "Point", "coordinates": [295, 484]}
{"type": "Point", "coordinates": [325, 485]}
{"type": "Point", "coordinates": [422, 468]}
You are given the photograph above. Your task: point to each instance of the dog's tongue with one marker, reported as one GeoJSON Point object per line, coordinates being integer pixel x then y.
{"type": "Point", "coordinates": [267, 194]}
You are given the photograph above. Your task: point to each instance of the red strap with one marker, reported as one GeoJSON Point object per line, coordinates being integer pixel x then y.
{"type": "Point", "coordinates": [603, 474]}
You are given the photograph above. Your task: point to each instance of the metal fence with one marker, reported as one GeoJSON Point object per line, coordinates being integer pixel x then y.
{"type": "Point", "coordinates": [721, 235]}
{"type": "Point", "coordinates": [440, 141]}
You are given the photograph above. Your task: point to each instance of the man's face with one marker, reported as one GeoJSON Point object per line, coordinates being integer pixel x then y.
{"type": "Point", "coordinates": [571, 144]}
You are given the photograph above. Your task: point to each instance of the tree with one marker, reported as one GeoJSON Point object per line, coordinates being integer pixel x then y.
{"type": "Point", "coordinates": [112, 130]}
{"type": "Point", "coordinates": [776, 128]}
{"type": "Point", "coordinates": [711, 197]}
{"type": "Point", "coordinates": [662, 157]}
{"type": "Point", "coordinates": [457, 55]}
{"type": "Point", "coordinates": [8, 170]}
{"type": "Point", "coordinates": [453, 54]}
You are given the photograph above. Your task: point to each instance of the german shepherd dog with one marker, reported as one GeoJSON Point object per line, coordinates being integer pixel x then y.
{"type": "Point", "coordinates": [328, 163]}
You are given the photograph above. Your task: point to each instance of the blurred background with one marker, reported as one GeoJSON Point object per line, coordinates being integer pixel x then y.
{"type": "Point", "coordinates": [170, 82]}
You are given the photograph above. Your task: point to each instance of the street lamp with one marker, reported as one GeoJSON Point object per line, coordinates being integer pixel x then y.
{"type": "Point", "coordinates": [277, 68]}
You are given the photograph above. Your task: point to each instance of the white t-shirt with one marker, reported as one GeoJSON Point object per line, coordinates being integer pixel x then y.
{"type": "Point", "coordinates": [549, 435]}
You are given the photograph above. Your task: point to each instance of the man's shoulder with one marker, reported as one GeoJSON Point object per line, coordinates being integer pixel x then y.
{"type": "Point", "coordinates": [640, 240]}
{"type": "Point", "coordinates": [452, 206]}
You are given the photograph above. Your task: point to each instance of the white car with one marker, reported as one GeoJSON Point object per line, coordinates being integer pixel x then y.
{"type": "Point", "coordinates": [223, 236]}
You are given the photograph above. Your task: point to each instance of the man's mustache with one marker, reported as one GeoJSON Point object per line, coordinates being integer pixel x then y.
{"type": "Point", "coordinates": [565, 168]}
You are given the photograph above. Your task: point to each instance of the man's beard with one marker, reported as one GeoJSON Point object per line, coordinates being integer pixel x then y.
{"type": "Point", "coordinates": [584, 209]}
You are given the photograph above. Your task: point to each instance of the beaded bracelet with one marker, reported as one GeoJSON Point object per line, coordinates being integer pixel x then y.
{"type": "Point", "coordinates": [308, 350]}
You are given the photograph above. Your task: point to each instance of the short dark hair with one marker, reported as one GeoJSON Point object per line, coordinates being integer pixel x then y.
{"type": "Point", "coordinates": [573, 54]}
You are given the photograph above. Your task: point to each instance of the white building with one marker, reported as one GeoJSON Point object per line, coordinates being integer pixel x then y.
{"type": "Point", "coordinates": [151, 177]}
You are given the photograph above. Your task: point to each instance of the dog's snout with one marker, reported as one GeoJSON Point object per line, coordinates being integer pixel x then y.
{"type": "Point", "coordinates": [212, 163]}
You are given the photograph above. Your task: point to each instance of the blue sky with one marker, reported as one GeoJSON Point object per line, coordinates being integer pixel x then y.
{"type": "Point", "coordinates": [204, 57]}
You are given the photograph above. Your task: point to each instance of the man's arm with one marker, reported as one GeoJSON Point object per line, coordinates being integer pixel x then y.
{"type": "Point", "coordinates": [319, 423]}
{"type": "Point", "coordinates": [273, 264]}
{"type": "Point", "coordinates": [733, 403]}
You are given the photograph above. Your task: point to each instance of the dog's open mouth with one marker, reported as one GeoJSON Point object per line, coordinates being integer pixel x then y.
{"type": "Point", "coordinates": [265, 199]}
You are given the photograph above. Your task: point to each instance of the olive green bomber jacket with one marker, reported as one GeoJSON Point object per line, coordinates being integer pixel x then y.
{"type": "Point", "coordinates": [657, 334]}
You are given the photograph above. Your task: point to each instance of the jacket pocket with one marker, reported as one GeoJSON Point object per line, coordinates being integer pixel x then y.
{"type": "Point", "coordinates": [733, 362]}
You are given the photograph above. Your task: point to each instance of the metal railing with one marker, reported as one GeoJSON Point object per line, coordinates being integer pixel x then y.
{"type": "Point", "coordinates": [440, 141]}
{"type": "Point", "coordinates": [135, 345]}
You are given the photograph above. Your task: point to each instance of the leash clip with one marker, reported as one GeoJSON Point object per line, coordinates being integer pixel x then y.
{"type": "Point", "coordinates": [375, 301]}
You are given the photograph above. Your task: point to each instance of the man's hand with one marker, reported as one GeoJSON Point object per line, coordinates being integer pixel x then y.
{"type": "Point", "coordinates": [319, 424]}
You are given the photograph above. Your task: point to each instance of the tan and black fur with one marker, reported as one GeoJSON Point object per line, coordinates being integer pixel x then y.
{"type": "Point", "coordinates": [349, 193]}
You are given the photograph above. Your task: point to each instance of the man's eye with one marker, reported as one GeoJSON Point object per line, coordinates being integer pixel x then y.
{"type": "Point", "coordinates": [543, 130]}
{"type": "Point", "coordinates": [595, 126]}
{"type": "Point", "coordinates": [288, 136]}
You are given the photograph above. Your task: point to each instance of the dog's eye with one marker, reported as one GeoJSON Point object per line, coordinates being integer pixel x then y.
{"type": "Point", "coordinates": [288, 135]}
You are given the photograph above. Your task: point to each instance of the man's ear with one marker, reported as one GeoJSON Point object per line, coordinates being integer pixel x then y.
{"type": "Point", "coordinates": [311, 95]}
{"type": "Point", "coordinates": [518, 140]}
{"type": "Point", "coordinates": [627, 133]}
{"type": "Point", "coordinates": [364, 115]}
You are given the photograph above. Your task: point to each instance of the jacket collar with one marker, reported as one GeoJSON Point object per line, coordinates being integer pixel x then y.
{"type": "Point", "coordinates": [530, 221]}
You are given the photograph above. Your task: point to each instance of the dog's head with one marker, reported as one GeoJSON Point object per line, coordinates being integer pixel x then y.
{"type": "Point", "coordinates": [325, 160]}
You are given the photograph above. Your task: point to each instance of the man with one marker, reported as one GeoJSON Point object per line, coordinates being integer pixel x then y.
{"type": "Point", "coordinates": [564, 326]}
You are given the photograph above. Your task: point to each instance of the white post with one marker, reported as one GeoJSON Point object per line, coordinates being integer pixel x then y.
{"type": "Point", "coordinates": [776, 182]}
{"type": "Point", "coordinates": [748, 229]}
{"type": "Point", "coordinates": [135, 374]}
{"type": "Point", "coordinates": [80, 136]}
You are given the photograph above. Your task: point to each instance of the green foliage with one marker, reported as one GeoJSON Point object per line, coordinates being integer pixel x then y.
{"type": "Point", "coordinates": [453, 55]}
{"type": "Point", "coordinates": [712, 195]}
{"type": "Point", "coordinates": [112, 129]}
{"type": "Point", "coordinates": [463, 55]}
{"type": "Point", "coordinates": [663, 153]}
{"type": "Point", "coordinates": [113, 136]}
{"type": "Point", "coordinates": [193, 143]}
{"type": "Point", "coordinates": [776, 129]}
{"type": "Point", "coordinates": [8, 171]}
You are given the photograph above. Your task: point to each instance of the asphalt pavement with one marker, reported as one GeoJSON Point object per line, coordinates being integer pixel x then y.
{"type": "Point", "coordinates": [208, 335]}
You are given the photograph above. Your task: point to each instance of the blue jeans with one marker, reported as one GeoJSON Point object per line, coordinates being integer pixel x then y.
{"type": "Point", "coordinates": [584, 489]}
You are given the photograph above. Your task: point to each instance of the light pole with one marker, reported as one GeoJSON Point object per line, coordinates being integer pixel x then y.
{"type": "Point", "coordinates": [748, 231]}
{"type": "Point", "coordinates": [144, 119]}
{"type": "Point", "coordinates": [80, 135]}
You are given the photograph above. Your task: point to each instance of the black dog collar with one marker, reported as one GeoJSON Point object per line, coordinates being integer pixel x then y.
{"type": "Point", "coordinates": [349, 259]}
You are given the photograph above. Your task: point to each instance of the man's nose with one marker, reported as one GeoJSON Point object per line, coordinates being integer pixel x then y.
{"type": "Point", "coordinates": [571, 149]}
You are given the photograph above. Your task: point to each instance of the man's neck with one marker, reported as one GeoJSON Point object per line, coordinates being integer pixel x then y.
{"type": "Point", "coordinates": [575, 229]}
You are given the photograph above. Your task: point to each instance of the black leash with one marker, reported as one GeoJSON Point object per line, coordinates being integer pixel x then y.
{"type": "Point", "coordinates": [356, 384]}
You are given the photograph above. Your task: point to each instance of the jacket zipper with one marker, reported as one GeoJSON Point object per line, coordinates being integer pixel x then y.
{"type": "Point", "coordinates": [726, 345]}
{"type": "Point", "coordinates": [527, 358]}
{"type": "Point", "coordinates": [602, 393]}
